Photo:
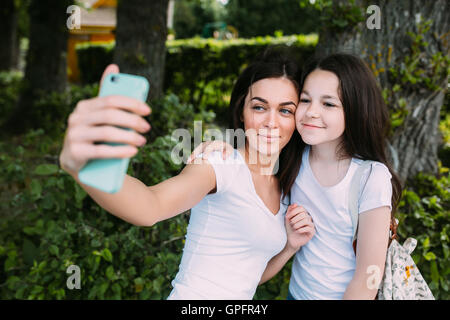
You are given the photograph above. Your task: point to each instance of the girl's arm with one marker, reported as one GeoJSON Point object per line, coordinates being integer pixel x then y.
{"type": "Point", "coordinates": [277, 263]}
{"type": "Point", "coordinates": [373, 234]}
{"type": "Point", "coordinates": [299, 230]}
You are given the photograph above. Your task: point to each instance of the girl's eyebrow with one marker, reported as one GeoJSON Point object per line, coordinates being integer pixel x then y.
{"type": "Point", "coordinates": [266, 102]}
{"type": "Point", "coordinates": [329, 97]}
{"type": "Point", "coordinates": [325, 96]}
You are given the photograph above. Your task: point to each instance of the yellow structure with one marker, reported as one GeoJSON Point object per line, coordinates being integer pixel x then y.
{"type": "Point", "coordinates": [97, 24]}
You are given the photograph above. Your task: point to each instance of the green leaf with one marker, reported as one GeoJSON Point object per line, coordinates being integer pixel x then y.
{"type": "Point", "coordinates": [138, 285]}
{"type": "Point", "coordinates": [426, 242]}
{"type": "Point", "coordinates": [429, 256]}
{"type": "Point", "coordinates": [54, 250]}
{"type": "Point", "coordinates": [36, 189]}
{"type": "Point", "coordinates": [107, 255]}
{"type": "Point", "coordinates": [110, 273]}
{"type": "Point", "coordinates": [30, 252]}
{"type": "Point", "coordinates": [46, 169]}
{"type": "Point", "coordinates": [434, 272]}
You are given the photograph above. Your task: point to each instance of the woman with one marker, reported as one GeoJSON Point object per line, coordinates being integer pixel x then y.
{"type": "Point", "coordinates": [238, 222]}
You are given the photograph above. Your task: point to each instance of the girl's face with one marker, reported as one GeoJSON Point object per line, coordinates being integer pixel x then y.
{"type": "Point", "coordinates": [269, 114]}
{"type": "Point", "coordinates": [320, 115]}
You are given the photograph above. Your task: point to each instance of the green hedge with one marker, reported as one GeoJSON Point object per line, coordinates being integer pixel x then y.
{"type": "Point", "coordinates": [197, 58]}
{"type": "Point", "coordinates": [199, 71]}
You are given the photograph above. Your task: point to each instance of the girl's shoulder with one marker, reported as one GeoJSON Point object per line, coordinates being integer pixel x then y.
{"type": "Point", "coordinates": [375, 186]}
{"type": "Point", "coordinates": [375, 170]}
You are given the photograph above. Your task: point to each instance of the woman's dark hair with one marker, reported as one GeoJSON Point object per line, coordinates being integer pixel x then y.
{"type": "Point", "coordinates": [367, 120]}
{"type": "Point", "coordinates": [274, 62]}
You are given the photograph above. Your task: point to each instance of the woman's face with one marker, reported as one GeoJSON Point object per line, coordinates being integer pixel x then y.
{"type": "Point", "coordinates": [320, 115]}
{"type": "Point", "coordinates": [269, 114]}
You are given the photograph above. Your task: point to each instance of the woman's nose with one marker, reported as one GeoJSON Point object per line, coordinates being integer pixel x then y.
{"type": "Point", "coordinates": [271, 120]}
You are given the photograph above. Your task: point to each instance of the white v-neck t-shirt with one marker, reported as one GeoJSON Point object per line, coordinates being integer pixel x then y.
{"type": "Point", "coordinates": [323, 267]}
{"type": "Point", "coordinates": [230, 238]}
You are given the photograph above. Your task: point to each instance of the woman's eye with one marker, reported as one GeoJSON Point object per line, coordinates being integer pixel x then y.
{"type": "Point", "coordinates": [327, 104]}
{"type": "Point", "coordinates": [304, 100]}
{"type": "Point", "coordinates": [286, 111]}
{"type": "Point", "coordinates": [258, 108]}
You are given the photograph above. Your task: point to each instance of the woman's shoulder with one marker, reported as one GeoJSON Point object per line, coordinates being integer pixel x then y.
{"type": "Point", "coordinates": [216, 157]}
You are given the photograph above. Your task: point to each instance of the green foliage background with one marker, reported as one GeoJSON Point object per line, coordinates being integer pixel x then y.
{"type": "Point", "coordinates": [49, 223]}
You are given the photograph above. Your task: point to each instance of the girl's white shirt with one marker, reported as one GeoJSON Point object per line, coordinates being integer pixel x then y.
{"type": "Point", "coordinates": [230, 238]}
{"type": "Point", "coordinates": [323, 268]}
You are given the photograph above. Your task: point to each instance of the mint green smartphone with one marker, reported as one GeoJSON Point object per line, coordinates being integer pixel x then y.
{"type": "Point", "coordinates": [107, 174]}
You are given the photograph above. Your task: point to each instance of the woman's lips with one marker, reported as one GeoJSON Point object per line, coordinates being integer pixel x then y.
{"type": "Point", "coordinates": [269, 138]}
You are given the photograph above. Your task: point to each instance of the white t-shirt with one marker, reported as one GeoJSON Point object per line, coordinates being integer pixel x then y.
{"type": "Point", "coordinates": [323, 268]}
{"type": "Point", "coordinates": [230, 238]}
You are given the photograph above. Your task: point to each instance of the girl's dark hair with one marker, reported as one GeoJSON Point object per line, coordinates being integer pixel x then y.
{"type": "Point", "coordinates": [274, 62]}
{"type": "Point", "coordinates": [367, 120]}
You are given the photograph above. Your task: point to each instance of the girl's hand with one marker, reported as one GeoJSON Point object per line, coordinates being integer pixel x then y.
{"type": "Point", "coordinates": [299, 227]}
{"type": "Point", "coordinates": [208, 147]}
{"type": "Point", "coordinates": [96, 120]}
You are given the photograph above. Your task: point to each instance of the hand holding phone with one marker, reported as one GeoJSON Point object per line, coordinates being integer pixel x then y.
{"type": "Point", "coordinates": [96, 140]}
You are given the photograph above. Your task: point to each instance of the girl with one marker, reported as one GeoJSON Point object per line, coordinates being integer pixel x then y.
{"type": "Point", "coordinates": [343, 120]}
{"type": "Point", "coordinates": [238, 221]}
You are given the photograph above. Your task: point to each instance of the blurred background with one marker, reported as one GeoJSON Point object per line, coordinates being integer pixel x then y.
{"type": "Point", "coordinates": [54, 52]}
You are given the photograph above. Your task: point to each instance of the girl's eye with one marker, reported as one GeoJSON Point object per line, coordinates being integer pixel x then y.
{"type": "Point", "coordinates": [327, 104]}
{"type": "Point", "coordinates": [304, 100]}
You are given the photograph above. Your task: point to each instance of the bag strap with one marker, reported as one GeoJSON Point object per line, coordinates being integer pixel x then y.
{"type": "Point", "coordinates": [354, 203]}
{"type": "Point", "coordinates": [354, 194]}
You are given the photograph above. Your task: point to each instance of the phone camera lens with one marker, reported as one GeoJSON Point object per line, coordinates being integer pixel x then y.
{"type": "Point", "coordinates": [113, 79]}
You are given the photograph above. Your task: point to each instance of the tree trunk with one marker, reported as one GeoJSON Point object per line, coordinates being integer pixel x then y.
{"type": "Point", "coordinates": [45, 70]}
{"type": "Point", "coordinates": [410, 61]}
{"type": "Point", "coordinates": [8, 34]}
{"type": "Point", "coordinates": [141, 35]}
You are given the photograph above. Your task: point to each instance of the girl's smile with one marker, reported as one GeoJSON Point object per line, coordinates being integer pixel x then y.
{"type": "Point", "coordinates": [311, 126]}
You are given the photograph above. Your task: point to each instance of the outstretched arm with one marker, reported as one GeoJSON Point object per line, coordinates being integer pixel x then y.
{"type": "Point", "coordinates": [141, 205]}
{"type": "Point", "coordinates": [97, 119]}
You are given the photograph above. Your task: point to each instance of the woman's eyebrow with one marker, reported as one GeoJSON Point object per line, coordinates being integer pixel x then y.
{"type": "Point", "coordinates": [259, 99]}
{"type": "Point", "coordinates": [288, 103]}
{"type": "Point", "coordinates": [266, 102]}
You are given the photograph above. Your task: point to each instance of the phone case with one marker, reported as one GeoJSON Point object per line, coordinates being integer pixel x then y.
{"type": "Point", "coordinates": [108, 174]}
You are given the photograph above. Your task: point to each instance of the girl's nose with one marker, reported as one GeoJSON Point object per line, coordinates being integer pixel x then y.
{"type": "Point", "coordinates": [312, 111]}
